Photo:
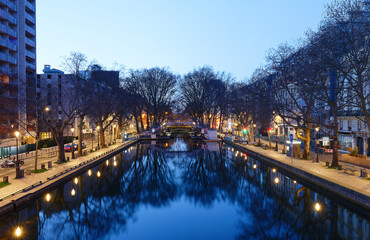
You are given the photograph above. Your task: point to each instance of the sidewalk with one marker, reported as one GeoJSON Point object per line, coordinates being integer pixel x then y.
{"type": "Point", "coordinates": [28, 180]}
{"type": "Point", "coordinates": [353, 182]}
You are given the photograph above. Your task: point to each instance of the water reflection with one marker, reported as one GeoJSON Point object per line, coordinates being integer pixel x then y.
{"type": "Point", "coordinates": [266, 203]}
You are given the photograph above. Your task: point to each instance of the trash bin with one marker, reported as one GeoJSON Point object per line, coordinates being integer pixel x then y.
{"type": "Point", "coordinates": [339, 167]}
{"type": "Point", "coordinates": [43, 166]}
{"type": "Point", "coordinates": [28, 172]}
{"type": "Point", "coordinates": [5, 179]}
{"type": "Point", "coordinates": [21, 173]}
{"type": "Point", "coordinates": [50, 165]}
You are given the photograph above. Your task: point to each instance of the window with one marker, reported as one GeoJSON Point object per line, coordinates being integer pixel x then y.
{"type": "Point", "coordinates": [49, 76]}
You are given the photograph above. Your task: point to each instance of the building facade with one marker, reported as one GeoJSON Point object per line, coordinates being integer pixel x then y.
{"type": "Point", "coordinates": [17, 68]}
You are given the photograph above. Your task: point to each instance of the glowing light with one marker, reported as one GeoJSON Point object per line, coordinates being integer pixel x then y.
{"type": "Point", "coordinates": [98, 174]}
{"type": "Point", "coordinates": [254, 166]}
{"type": "Point", "coordinates": [294, 181]}
{"type": "Point", "coordinates": [16, 134]}
{"type": "Point", "coordinates": [114, 163]}
{"type": "Point", "coordinates": [47, 109]}
{"type": "Point", "coordinates": [48, 197]}
{"type": "Point", "coordinates": [107, 162]}
{"type": "Point", "coordinates": [246, 157]}
{"type": "Point", "coordinates": [273, 170]}
{"type": "Point", "coordinates": [236, 154]}
{"type": "Point", "coordinates": [18, 232]}
{"type": "Point", "coordinates": [276, 180]}
{"type": "Point", "coordinates": [73, 192]}
{"type": "Point", "coordinates": [317, 207]}
{"type": "Point", "coordinates": [89, 172]}
{"type": "Point", "coordinates": [76, 180]}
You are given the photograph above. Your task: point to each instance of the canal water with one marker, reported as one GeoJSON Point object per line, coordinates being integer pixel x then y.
{"type": "Point", "coordinates": [185, 190]}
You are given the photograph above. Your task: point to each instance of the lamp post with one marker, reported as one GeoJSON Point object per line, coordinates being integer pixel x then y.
{"type": "Point", "coordinates": [92, 139]}
{"type": "Point", "coordinates": [317, 144]}
{"type": "Point", "coordinates": [98, 128]}
{"type": "Point", "coordinates": [114, 132]}
{"type": "Point", "coordinates": [254, 126]}
{"type": "Point", "coordinates": [276, 138]}
{"type": "Point", "coordinates": [17, 170]}
{"type": "Point", "coordinates": [73, 147]}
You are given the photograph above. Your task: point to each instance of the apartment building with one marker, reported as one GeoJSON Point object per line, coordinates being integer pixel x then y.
{"type": "Point", "coordinates": [17, 69]}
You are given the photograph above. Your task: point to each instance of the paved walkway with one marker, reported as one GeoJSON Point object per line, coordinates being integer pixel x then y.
{"type": "Point", "coordinates": [28, 180]}
{"type": "Point", "coordinates": [354, 182]}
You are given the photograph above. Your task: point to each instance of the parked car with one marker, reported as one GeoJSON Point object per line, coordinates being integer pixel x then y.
{"type": "Point", "coordinates": [67, 148]}
{"type": "Point", "coordinates": [7, 164]}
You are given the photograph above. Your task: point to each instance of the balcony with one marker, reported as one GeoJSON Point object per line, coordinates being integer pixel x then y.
{"type": "Point", "coordinates": [30, 6]}
{"type": "Point", "coordinates": [12, 32]}
{"type": "Point", "coordinates": [31, 66]}
{"type": "Point", "coordinates": [30, 54]}
{"type": "Point", "coordinates": [30, 18]}
{"type": "Point", "coordinates": [3, 14]}
{"type": "Point", "coordinates": [12, 60]}
{"type": "Point", "coordinates": [11, 19]}
{"type": "Point", "coordinates": [30, 42]}
{"type": "Point", "coordinates": [3, 57]}
{"type": "Point", "coordinates": [9, 4]}
{"type": "Point", "coordinates": [30, 30]}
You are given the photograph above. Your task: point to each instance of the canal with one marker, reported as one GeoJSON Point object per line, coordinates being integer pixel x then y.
{"type": "Point", "coordinates": [181, 189]}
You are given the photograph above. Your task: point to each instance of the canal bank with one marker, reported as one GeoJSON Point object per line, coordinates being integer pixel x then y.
{"type": "Point", "coordinates": [350, 189]}
{"type": "Point", "coordinates": [40, 183]}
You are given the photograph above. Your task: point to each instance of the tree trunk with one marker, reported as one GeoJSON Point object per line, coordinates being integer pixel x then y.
{"type": "Point", "coordinates": [102, 138]}
{"type": "Point", "coordinates": [119, 129]}
{"type": "Point", "coordinates": [37, 151]}
{"type": "Point", "coordinates": [306, 150]}
{"type": "Point", "coordinates": [335, 160]}
{"type": "Point", "coordinates": [269, 139]}
{"type": "Point", "coordinates": [80, 124]}
{"type": "Point", "coordinates": [61, 154]}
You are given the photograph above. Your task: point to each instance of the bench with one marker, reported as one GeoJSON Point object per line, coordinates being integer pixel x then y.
{"type": "Point", "coordinates": [350, 169]}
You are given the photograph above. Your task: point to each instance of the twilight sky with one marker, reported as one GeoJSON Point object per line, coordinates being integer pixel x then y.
{"type": "Point", "coordinates": [230, 35]}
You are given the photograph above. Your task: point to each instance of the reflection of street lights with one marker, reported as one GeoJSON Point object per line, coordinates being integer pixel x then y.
{"type": "Point", "coordinates": [254, 126]}
{"type": "Point", "coordinates": [98, 128]}
{"type": "Point", "coordinates": [317, 144]}
{"type": "Point", "coordinates": [17, 170]}
{"type": "Point", "coordinates": [276, 138]}
{"type": "Point", "coordinates": [73, 147]}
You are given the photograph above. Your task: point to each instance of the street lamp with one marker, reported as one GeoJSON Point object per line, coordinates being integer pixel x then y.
{"type": "Point", "coordinates": [17, 170]}
{"type": "Point", "coordinates": [254, 126]}
{"type": "Point", "coordinates": [276, 138]}
{"type": "Point", "coordinates": [73, 147]}
{"type": "Point", "coordinates": [317, 144]}
{"type": "Point", "coordinates": [98, 128]}
{"type": "Point", "coordinates": [114, 130]}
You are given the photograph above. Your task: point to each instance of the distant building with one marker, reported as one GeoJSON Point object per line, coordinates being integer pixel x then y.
{"type": "Point", "coordinates": [53, 87]}
{"type": "Point", "coordinates": [17, 68]}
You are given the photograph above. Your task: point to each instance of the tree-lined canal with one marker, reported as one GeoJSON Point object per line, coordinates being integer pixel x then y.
{"type": "Point", "coordinates": [184, 190]}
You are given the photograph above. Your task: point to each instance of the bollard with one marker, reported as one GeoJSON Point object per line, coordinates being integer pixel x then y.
{"type": "Point", "coordinates": [339, 167]}
{"type": "Point", "coordinates": [43, 166]}
{"type": "Point", "coordinates": [28, 172]}
{"type": "Point", "coordinates": [50, 165]}
{"type": "Point", "coordinates": [5, 179]}
{"type": "Point", "coordinates": [327, 164]}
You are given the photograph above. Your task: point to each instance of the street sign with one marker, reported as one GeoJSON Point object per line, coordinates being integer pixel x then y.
{"type": "Point", "coordinates": [329, 150]}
